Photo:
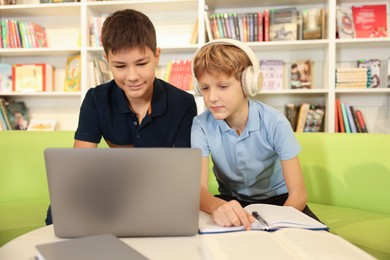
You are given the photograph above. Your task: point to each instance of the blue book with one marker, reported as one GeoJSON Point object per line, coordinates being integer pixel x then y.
{"type": "Point", "coordinates": [345, 118]}
{"type": "Point", "coordinates": [350, 119]}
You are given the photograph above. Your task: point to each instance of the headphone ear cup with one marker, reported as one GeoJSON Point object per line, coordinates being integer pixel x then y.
{"type": "Point", "coordinates": [197, 89]}
{"type": "Point", "coordinates": [252, 81]}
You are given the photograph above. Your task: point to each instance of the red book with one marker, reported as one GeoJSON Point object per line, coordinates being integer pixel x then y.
{"type": "Point", "coordinates": [336, 119]}
{"type": "Point", "coordinates": [370, 21]}
{"type": "Point", "coordinates": [32, 77]}
{"type": "Point", "coordinates": [266, 25]}
{"type": "Point", "coordinates": [340, 116]}
{"type": "Point", "coordinates": [361, 121]}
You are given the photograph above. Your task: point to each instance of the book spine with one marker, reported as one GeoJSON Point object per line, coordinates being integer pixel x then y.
{"type": "Point", "coordinates": [266, 25]}
{"type": "Point", "coordinates": [340, 116]}
{"type": "Point", "coordinates": [362, 123]}
{"type": "Point", "coordinates": [345, 118]}
{"type": "Point", "coordinates": [353, 112]}
{"type": "Point", "coordinates": [350, 119]}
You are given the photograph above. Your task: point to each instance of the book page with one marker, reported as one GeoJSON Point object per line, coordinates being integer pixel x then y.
{"type": "Point", "coordinates": [243, 245]}
{"type": "Point", "coordinates": [208, 225]}
{"type": "Point", "coordinates": [284, 216]}
{"type": "Point", "coordinates": [309, 244]}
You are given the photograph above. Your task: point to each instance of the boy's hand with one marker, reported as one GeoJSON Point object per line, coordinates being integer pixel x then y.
{"type": "Point", "coordinates": [232, 214]}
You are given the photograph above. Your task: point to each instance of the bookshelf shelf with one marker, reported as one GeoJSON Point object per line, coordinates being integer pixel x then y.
{"type": "Point", "coordinates": [67, 26]}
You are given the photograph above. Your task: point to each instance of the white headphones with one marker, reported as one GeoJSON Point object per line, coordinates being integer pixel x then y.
{"type": "Point", "coordinates": [252, 78]}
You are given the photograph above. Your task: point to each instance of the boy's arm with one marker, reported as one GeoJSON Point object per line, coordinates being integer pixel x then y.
{"type": "Point", "coordinates": [295, 183]}
{"type": "Point", "coordinates": [83, 144]}
{"type": "Point", "coordinates": [224, 213]}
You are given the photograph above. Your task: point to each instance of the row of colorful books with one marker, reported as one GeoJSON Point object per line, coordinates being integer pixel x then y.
{"type": "Point", "coordinates": [305, 117]}
{"type": "Point", "coordinates": [277, 24]}
{"type": "Point", "coordinates": [99, 71]}
{"type": "Point", "coordinates": [95, 30]}
{"type": "Point", "coordinates": [363, 21]}
{"type": "Point", "coordinates": [18, 34]}
{"type": "Point", "coordinates": [26, 77]}
{"type": "Point", "coordinates": [38, 77]}
{"type": "Point", "coordinates": [348, 119]}
{"type": "Point", "coordinates": [179, 74]}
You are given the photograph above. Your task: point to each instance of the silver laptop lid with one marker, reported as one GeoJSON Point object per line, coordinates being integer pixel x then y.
{"type": "Point", "coordinates": [124, 191]}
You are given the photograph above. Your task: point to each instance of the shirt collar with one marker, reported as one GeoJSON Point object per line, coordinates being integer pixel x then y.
{"type": "Point", "coordinates": [253, 123]}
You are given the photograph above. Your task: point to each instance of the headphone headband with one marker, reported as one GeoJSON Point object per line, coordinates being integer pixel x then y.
{"type": "Point", "coordinates": [252, 78]}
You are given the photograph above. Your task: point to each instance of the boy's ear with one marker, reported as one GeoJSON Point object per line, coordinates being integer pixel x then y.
{"type": "Point", "coordinates": [157, 56]}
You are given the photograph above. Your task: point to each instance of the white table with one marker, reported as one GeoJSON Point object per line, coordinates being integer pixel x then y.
{"type": "Point", "coordinates": [188, 248]}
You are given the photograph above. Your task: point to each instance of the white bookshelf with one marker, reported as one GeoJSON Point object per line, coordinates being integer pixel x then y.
{"type": "Point", "coordinates": [67, 26]}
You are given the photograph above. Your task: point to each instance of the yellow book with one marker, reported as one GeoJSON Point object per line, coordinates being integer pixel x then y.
{"type": "Point", "coordinates": [72, 74]}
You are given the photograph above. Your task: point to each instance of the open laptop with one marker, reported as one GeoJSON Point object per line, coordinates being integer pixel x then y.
{"type": "Point", "coordinates": [127, 192]}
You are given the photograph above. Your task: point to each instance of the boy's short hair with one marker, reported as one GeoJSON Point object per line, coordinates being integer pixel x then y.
{"type": "Point", "coordinates": [221, 59]}
{"type": "Point", "coordinates": [128, 28]}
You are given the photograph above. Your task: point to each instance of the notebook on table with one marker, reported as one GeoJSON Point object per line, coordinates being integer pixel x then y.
{"type": "Point", "coordinates": [127, 192]}
{"type": "Point", "coordinates": [98, 247]}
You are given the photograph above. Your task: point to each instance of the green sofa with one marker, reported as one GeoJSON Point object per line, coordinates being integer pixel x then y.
{"type": "Point", "coordinates": [346, 176]}
{"type": "Point", "coordinates": [24, 195]}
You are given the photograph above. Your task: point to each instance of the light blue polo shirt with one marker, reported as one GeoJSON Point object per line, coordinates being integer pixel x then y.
{"type": "Point", "coordinates": [247, 166]}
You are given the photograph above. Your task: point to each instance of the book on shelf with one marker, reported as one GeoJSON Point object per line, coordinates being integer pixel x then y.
{"type": "Point", "coordinates": [291, 112]}
{"type": "Point", "coordinates": [290, 243]}
{"type": "Point", "coordinates": [17, 114]}
{"type": "Point", "coordinates": [95, 30]}
{"type": "Point", "coordinates": [374, 66]}
{"type": "Point", "coordinates": [5, 77]}
{"type": "Point", "coordinates": [41, 125]}
{"type": "Point", "coordinates": [351, 121]}
{"type": "Point", "coordinates": [345, 118]}
{"type": "Point", "coordinates": [355, 120]}
{"type": "Point", "coordinates": [102, 70]}
{"type": "Point", "coordinates": [370, 21]}
{"type": "Point", "coordinates": [345, 23]}
{"type": "Point", "coordinates": [32, 77]}
{"type": "Point", "coordinates": [301, 74]}
{"type": "Point", "coordinates": [353, 77]}
{"type": "Point", "coordinates": [313, 23]}
{"type": "Point", "coordinates": [283, 24]}
{"type": "Point", "coordinates": [388, 72]}
{"type": "Point", "coordinates": [97, 247]}
{"type": "Point", "coordinates": [269, 218]}
{"type": "Point", "coordinates": [178, 73]}
{"type": "Point", "coordinates": [302, 114]}
{"type": "Point", "coordinates": [314, 118]}
{"type": "Point", "coordinates": [266, 25]}
{"type": "Point", "coordinates": [361, 121]}
{"type": "Point", "coordinates": [72, 74]}
{"type": "Point", "coordinates": [273, 73]}
{"type": "Point", "coordinates": [5, 124]}
{"type": "Point", "coordinates": [194, 35]}
{"type": "Point", "coordinates": [340, 116]}
{"type": "Point", "coordinates": [336, 119]}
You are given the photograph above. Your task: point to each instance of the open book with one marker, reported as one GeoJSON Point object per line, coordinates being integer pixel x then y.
{"type": "Point", "coordinates": [289, 243]}
{"type": "Point", "coordinates": [269, 217]}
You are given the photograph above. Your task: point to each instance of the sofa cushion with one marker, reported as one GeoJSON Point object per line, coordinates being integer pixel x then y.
{"type": "Point", "coordinates": [368, 230]}
{"type": "Point", "coordinates": [19, 217]}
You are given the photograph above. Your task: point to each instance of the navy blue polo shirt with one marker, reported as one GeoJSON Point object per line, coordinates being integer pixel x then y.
{"type": "Point", "coordinates": [105, 113]}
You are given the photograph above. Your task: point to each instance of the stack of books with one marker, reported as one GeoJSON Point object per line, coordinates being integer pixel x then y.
{"type": "Point", "coordinates": [353, 77]}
